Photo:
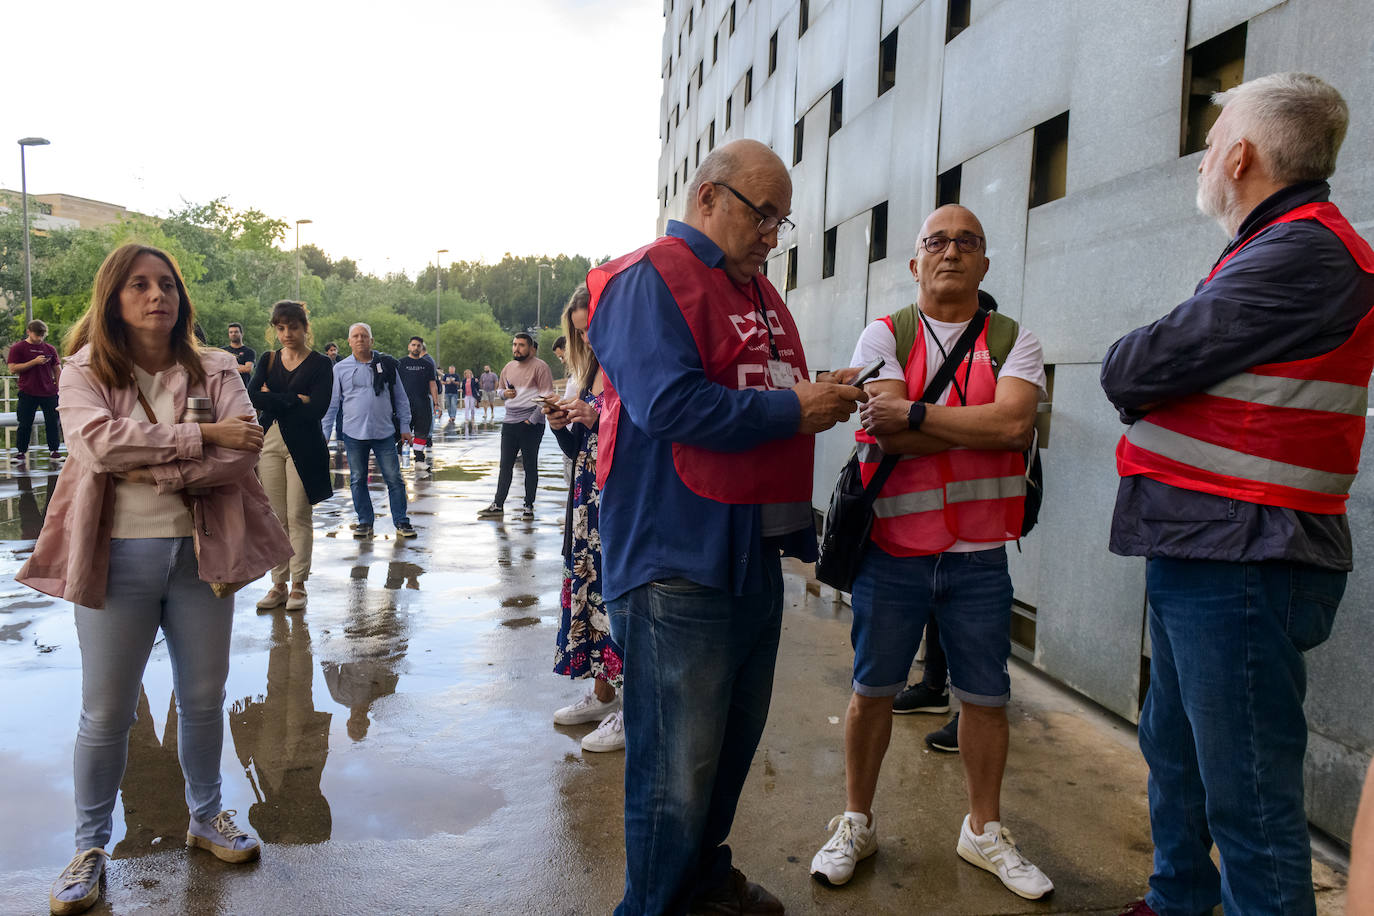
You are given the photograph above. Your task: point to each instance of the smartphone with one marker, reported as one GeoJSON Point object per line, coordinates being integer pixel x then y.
{"type": "Point", "coordinates": [869, 372]}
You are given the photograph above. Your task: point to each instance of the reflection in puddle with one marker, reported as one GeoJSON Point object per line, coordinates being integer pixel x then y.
{"type": "Point", "coordinates": [456, 472]}
{"type": "Point", "coordinates": [519, 601]}
{"type": "Point", "coordinates": [518, 622]}
{"type": "Point", "coordinates": [14, 632]}
{"type": "Point", "coordinates": [21, 515]}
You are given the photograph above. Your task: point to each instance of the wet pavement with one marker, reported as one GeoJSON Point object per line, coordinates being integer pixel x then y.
{"type": "Point", "coordinates": [393, 745]}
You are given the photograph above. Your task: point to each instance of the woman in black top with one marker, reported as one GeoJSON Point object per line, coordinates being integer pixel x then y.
{"type": "Point", "coordinates": [292, 387]}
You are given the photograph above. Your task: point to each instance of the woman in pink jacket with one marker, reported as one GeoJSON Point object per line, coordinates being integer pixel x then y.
{"type": "Point", "coordinates": [152, 525]}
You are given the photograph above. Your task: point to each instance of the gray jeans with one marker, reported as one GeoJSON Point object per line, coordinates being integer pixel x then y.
{"type": "Point", "coordinates": [152, 585]}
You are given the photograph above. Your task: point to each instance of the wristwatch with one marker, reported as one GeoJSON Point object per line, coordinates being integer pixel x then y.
{"type": "Point", "coordinates": [916, 415]}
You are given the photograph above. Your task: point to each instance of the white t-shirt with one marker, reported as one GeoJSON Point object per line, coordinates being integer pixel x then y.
{"type": "Point", "coordinates": [1026, 361]}
{"type": "Point", "coordinates": [140, 511]}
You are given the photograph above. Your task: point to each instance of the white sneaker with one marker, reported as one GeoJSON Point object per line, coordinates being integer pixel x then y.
{"type": "Point", "coordinates": [587, 709]}
{"type": "Point", "coordinates": [222, 838]}
{"type": "Point", "coordinates": [608, 736]}
{"type": "Point", "coordinates": [78, 888]}
{"type": "Point", "coordinates": [994, 850]}
{"type": "Point", "coordinates": [854, 839]}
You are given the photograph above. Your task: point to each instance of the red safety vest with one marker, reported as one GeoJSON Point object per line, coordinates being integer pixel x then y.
{"type": "Point", "coordinates": [1279, 434]}
{"type": "Point", "coordinates": [724, 320]}
{"type": "Point", "coordinates": [960, 494]}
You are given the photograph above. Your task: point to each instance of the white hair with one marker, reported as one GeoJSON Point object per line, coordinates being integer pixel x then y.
{"type": "Point", "coordinates": [360, 324]}
{"type": "Point", "coordinates": [1295, 120]}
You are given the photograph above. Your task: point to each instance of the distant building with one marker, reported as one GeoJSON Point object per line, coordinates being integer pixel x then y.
{"type": "Point", "coordinates": [65, 211]}
{"type": "Point", "coordinates": [1074, 130]}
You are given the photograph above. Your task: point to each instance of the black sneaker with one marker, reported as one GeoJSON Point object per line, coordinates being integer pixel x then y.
{"type": "Point", "coordinates": [405, 531]}
{"type": "Point", "coordinates": [362, 532]}
{"type": "Point", "coordinates": [920, 698]}
{"type": "Point", "coordinates": [947, 738]}
{"type": "Point", "coordinates": [527, 512]}
{"type": "Point", "coordinates": [492, 511]}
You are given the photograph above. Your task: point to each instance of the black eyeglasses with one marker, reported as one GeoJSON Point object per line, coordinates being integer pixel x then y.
{"type": "Point", "coordinates": [766, 223]}
{"type": "Point", "coordinates": [966, 244]}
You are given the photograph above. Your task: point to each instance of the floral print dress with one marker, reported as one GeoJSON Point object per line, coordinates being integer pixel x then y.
{"type": "Point", "coordinates": [585, 647]}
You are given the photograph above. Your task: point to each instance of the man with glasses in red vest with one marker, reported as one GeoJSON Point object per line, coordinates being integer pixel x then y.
{"type": "Point", "coordinates": [704, 466]}
{"type": "Point", "coordinates": [1246, 407]}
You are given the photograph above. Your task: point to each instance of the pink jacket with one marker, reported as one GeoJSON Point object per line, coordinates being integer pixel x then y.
{"type": "Point", "coordinates": [238, 538]}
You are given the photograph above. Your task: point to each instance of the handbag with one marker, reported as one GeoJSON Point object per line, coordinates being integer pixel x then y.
{"type": "Point", "coordinates": [849, 519]}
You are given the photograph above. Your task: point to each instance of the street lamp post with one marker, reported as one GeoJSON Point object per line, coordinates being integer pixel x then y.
{"type": "Point", "coordinates": [438, 295]}
{"type": "Point", "coordinates": [299, 223]}
{"type": "Point", "coordinates": [24, 192]}
{"type": "Point", "coordinates": [539, 297]}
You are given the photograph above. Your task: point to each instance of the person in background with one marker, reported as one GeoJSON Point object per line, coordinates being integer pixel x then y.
{"type": "Point", "coordinates": [452, 393]}
{"type": "Point", "coordinates": [130, 546]}
{"type": "Point", "coordinates": [417, 375]}
{"type": "Point", "coordinates": [470, 391]}
{"type": "Point", "coordinates": [244, 355]}
{"type": "Point", "coordinates": [331, 350]}
{"type": "Point", "coordinates": [488, 380]}
{"type": "Point", "coordinates": [524, 380]}
{"type": "Point", "coordinates": [584, 646]}
{"type": "Point", "coordinates": [1359, 893]}
{"type": "Point", "coordinates": [39, 367]}
{"type": "Point", "coordinates": [291, 388]}
{"type": "Point", "coordinates": [560, 349]}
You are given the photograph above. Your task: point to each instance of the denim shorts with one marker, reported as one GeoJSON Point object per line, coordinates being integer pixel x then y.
{"type": "Point", "coordinates": [970, 596]}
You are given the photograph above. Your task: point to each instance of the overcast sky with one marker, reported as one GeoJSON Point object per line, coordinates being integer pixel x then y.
{"type": "Point", "coordinates": [399, 127]}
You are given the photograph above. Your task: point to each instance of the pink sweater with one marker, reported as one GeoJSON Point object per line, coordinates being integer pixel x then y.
{"type": "Point", "coordinates": [238, 538]}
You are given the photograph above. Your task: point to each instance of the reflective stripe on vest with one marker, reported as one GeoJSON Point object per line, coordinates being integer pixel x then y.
{"type": "Point", "coordinates": [958, 491]}
{"type": "Point", "coordinates": [1257, 435]}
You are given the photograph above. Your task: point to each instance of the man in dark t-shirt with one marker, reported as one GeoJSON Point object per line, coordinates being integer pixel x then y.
{"type": "Point", "coordinates": [38, 366]}
{"type": "Point", "coordinates": [418, 375]}
{"type": "Point", "coordinates": [246, 356]}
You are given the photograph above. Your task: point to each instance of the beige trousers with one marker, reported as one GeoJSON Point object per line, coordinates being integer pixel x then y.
{"type": "Point", "coordinates": [289, 502]}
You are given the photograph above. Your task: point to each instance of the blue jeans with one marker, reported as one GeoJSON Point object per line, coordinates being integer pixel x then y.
{"type": "Point", "coordinates": [451, 405]}
{"type": "Point", "coordinates": [389, 464]}
{"type": "Point", "coordinates": [1224, 733]}
{"type": "Point", "coordinates": [699, 665]}
{"type": "Point", "coordinates": [153, 583]}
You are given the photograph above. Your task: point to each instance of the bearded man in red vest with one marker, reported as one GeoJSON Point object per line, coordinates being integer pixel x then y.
{"type": "Point", "coordinates": [1246, 407]}
{"type": "Point", "coordinates": [937, 546]}
{"type": "Point", "coordinates": [704, 460]}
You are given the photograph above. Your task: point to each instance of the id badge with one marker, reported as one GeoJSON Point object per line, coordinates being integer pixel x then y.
{"type": "Point", "coordinates": [782, 374]}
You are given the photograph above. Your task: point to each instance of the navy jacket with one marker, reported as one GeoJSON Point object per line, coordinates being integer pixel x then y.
{"type": "Point", "coordinates": [1292, 293]}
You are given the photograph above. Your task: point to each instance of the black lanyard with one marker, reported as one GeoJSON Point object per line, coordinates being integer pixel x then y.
{"type": "Point", "coordinates": [967, 369]}
{"type": "Point", "coordinates": [763, 315]}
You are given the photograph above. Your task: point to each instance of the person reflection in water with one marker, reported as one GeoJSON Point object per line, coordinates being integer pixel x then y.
{"type": "Point", "coordinates": [377, 642]}
{"type": "Point", "coordinates": [282, 742]}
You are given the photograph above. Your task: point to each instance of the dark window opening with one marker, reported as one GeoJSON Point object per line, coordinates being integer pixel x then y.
{"type": "Point", "coordinates": [772, 53]}
{"type": "Point", "coordinates": [877, 233]}
{"type": "Point", "coordinates": [715, 47]}
{"type": "Point", "coordinates": [668, 130]}
{"type": "Point", "coordinates": [679, 44]}
{"type": "Point", "coordinates": [836, 107]}
{"type": "Point", "coordinates": [732, 19]}
{"type": "Point", "coordinates": [675, 184]}
{"type": "Point", "coordinates": [691, 19]}
{"type": "Point", "coordinates": [729, 104]}
{"type": "Point", "coordinates": [1213, 66]}
{"type": "Point", "coordinates": [803, 18]}
{"type": "Point", "coordinates": [887, 63]}
{"type": "Point", "coordinates": [696, 160]}
{"type": "Point", "coordinates": [684, 170]}
{"type": "Point", "coordinates": [665, 195]}
{"type": "Point", "coordinates": [1050, 160]}
{"type": "Point", "coordinates": [947, 186]}
{"type": "Point", "coordinates": [689, 95]}
{"type": "Point", "coordinates": [791, 282]}
{"type": "Point", "coordinates": [748, 86]}
{"type": "Point", "coordinates": [711, 141]}
{"type": "Point", "coordinates": [797, 134]}
{"type": "Point", "coordinates": [670, 68]}
{"type": "Point", "coordinates": [958, 18]}
{"type": "Point", "coordinates": [828, 252]}
{"type": "Point", "coordinates": [701, 66]}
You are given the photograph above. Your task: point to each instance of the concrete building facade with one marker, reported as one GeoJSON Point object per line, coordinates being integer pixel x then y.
{"type": "Point", "coordinates": [1072, 128]}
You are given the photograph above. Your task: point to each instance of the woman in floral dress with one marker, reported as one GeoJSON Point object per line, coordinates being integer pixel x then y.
{"type": "Point", "coordinates": [584, 647]}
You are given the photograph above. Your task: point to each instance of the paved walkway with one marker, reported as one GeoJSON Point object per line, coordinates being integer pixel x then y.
{"type": "Point", "coordinates": [393, 745]}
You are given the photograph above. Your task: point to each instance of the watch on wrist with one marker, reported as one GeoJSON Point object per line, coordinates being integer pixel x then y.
{"type": "Point", "coordinates": [916, 415]}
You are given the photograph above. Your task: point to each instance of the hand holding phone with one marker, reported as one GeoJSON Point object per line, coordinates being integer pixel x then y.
{"type": "Point", "coordinates": [869, 372]}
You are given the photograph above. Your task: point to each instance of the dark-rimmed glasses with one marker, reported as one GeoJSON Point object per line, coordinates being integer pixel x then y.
{"type": "Point", "coordinates": [966, 244]}
{"type": "Point", "coordinates": [766, 223]}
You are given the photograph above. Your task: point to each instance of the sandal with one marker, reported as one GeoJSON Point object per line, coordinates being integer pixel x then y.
{"type": "Point", "coordinates": [275, 597]}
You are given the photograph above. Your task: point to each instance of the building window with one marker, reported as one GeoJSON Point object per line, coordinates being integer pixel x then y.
{"type": "Point", "coordinates": [684, 171]}
{"type": "Point", "coordinates": [828, 252]}
{"type": "Point", "coordinates": [677, 116]}
{"type": "Point", "coordinates": [836, 107]}
{"type": "Point", "coordinates": [791, 282]}
{"type": "Point", "coordinates": [715, 47]}
{"type": "Point", "coordinates": [732, 19]}
{"type": "Point", "coordinates": [711, 140]}
{"type": "Point", "coordinates": [689, 95]}
{"type": "Point", "coordinates": [947, 186]}
{"type": "Point", "coordinates": [679, 44]}
{"type": "Point", "coordinates": [1213, 66]}
{"type": "Point", "coordinates": [675, 184]}
{"type": "Point", "coordinates": [1050, 160]}
{"type": "Point", "coordinates": [887, 63]}
{"type": "Point", "coordinates": [670, 68]}
{"type": "Point", "coordinates": [696, 161]}
{"type": "Point", "coordinates": [797, 140]}
{"type": "Point", "coordinates": [729, 104]}
{"type": "Point", "coordinates": [803, 18]}
{"type": "Point", "coordinates": [665, 195]}
{"type": "Point", "coordinates": [958, 18]}
{"type": "Point", "coordinates": [748, 86]}
{"type": "Point", "coordinates": [701, 65]}
{"type": "Point", "coordinates": [877, 233]}
{"type": "Point", "coordinates": [772, 53]}
{"type": "Point", "coordinates": [667, 130]}
{"type": "Point", "coordinates": [691, 19]}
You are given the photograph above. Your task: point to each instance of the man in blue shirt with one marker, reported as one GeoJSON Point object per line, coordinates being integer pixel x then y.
{"type": "Point", "coordinates": [374, 408]}
{"type": "Point", "coordinates": [693, 579]}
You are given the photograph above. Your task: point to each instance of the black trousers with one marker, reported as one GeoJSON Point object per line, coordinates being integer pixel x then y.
{"type": "Point", "coordinates": [421, 418]}
{"type": "Point", "coordinates": [522, 439]}
{"type": "Point", "coordinates": [28, 408]}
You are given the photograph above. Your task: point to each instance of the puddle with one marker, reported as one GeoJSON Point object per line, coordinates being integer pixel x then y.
{"type": "Point", "coordinates": [14, 632]}
{"type": "Point", "coordinates": [456, 472]}
{"type": "Point", "coordinates": [518, 622]}
{"type": "Point", "coordinates": [520, 601]}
